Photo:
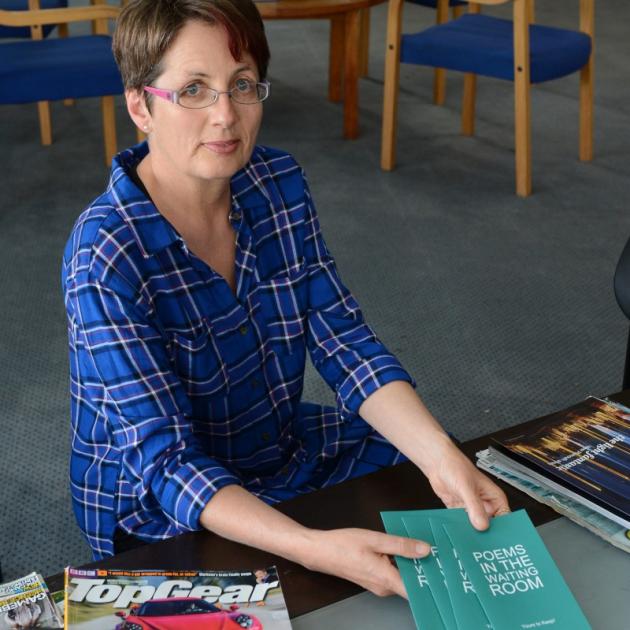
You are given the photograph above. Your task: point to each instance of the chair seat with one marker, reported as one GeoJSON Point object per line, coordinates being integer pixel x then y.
{"type": "Point", "coordinates": [54, 69]}
{"type": "Point", "coordinates": [22, 5]}
{"type": "Point", "coordinates": [483, 45]}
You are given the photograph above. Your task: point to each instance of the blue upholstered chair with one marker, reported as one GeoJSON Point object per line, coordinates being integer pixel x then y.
{"type": "Point", "coordinates": [441, 16]}
{"type": "Point", "coordinates": [41, 70]}
{"type": "Point", "coordinates": [26, 32]}
{"type": "Point", "coordinates": [22, 5]}
{"type": "Point", "coordinates": [514, 50]}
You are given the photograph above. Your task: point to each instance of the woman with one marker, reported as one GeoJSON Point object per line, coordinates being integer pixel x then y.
{"type": "Point", "coordinates": [194, 286]}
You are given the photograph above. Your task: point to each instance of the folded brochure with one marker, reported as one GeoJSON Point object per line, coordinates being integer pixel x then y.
{"type": "Point", "coordinates": [503, 578]}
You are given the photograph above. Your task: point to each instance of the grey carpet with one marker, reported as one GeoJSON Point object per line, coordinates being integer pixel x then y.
{"type": "Point", "coordinates": [502, 308]}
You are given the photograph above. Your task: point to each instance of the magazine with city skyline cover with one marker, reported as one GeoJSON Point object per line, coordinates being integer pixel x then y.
{"type": "Point", "coordinates": [585, 449]}
{"type": "Point", "coordinates": [109, 599]}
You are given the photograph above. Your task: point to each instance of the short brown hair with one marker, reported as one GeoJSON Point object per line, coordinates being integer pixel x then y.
{"type": "Point", "coordinates": [146, 28]}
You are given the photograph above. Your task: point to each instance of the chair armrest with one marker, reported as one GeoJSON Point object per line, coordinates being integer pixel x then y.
{"type": "Point", "coordinates": [40, 17]}
{"type": "Point", "coordinates": [587, 12]}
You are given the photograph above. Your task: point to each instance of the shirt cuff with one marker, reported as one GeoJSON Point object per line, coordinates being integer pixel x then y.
{"type": "Point", "coordinates": [365, 379]}
{"type": "Point", "coordinates": [185, 495]}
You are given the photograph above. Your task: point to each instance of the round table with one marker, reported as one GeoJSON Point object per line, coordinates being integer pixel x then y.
{"type": "Point", "coordinates": [349, 28]}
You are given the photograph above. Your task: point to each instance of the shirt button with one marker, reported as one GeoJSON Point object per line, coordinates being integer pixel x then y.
{"type": "Point", "coordinates": [236, 215]}
{"type": "Point", "coordinates": [254, 383]}
{"type": "Point", "coordinates": [266, 437]}
{"type": "Point", "coordinates": [243, 329]}
{"type": "Point", "coordinates": [284, 470]}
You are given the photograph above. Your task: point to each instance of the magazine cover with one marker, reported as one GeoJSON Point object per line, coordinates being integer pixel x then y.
{"type": "Point", "coordinates": [579, 513]}
{"type": "Point", "coordinates": [585, 448]}
{"type": "Point", "coordinates": [98, 599]}
{"type": "Point", "coordinates": [26, 603]}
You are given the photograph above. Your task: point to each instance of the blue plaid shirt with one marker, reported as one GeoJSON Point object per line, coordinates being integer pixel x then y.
{"type": "Point", "coordinates": [179, 387]}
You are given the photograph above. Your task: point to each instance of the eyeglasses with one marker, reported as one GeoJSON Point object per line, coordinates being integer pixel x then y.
{"type": "Point", "coordinates": [197, 96]}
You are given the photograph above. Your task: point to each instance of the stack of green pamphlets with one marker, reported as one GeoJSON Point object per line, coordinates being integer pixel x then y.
{"type": "Point", "coordinates": [499, 579]}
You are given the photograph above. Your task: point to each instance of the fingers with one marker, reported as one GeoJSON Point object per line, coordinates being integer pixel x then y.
{"type": "Point", "coordinates": [495, 501]}
{"type": "Point", "coordinates": [396, 584]}
{"type": "Point", "coordinates": [477, 515]}
{"type": "Point", "coordinates": [484, 499]}
{"type": "Point", "coordinates": [498, 507]}
{"type": "Point", "coordinates": [386, 581]}
{"type": "Point", "coordinates": [399, 546]}
{"type": "Point", "coordinates": [373, 570]}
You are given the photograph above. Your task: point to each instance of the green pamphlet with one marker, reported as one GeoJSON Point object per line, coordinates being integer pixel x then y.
{"type": "Point", "coordinates": [420, 528]}
{"type": "Point", "coordinates": [467, 608]}
{"type": "Point", "coordinates": [514, 576]}
{"type": "Point", "coordinates": [423, 607]}
{"type": "Point", "coordinates": [464, 604]}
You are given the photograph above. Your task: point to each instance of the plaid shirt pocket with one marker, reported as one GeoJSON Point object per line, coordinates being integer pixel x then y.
{"type": "Point", "coordinates": [283, 301]}
{"type": "Point", "coordinates": [197, 361]}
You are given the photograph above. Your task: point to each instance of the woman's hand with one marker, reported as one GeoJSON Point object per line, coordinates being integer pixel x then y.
{"type": "Point", "coordinates": [399, 415]}
{"type": "Point", "coordinates": [362, 556]}
{"type": "Point", "coordinates": [358, 555]}
{"type": "Point", "coordinates": [459, 483]}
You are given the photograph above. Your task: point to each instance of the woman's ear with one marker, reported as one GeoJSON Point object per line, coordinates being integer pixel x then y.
{"type": "Point", "coordinates": [138, 110]}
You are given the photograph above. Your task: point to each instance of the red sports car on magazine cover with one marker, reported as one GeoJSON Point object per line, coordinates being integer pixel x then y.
{"type": "Point", "coordinates": [185, 613]}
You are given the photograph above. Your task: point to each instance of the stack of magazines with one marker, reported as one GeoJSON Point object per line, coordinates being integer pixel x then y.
{"type": "Point", "coordinates": [27, 603]}
{"type": "Point", "coordinates": [111, 599]}
{"type": "Point", "coordinates": [577, 461]}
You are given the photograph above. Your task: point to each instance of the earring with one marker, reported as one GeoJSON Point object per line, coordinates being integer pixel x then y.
{"type": "Point", "coordinates": [145, 128]}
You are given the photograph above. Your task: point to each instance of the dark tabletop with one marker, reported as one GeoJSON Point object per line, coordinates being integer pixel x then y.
{"type": "Point", "coordinates": [354, 503]}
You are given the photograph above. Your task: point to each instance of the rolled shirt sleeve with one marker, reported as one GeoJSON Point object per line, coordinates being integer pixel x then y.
{"type": "Point", "coordinates": [344, 349]}
{"type": "Point", "coordinates": [146, 409]}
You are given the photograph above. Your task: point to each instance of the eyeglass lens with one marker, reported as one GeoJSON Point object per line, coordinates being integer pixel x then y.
{"type": "Point", "coordinates": [244, 91]}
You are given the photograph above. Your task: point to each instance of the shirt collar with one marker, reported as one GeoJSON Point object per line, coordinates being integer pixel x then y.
{"type": "Point", "coordinates": [151, 230]}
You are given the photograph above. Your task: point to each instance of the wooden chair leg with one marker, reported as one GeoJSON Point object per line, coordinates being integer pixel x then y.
{"type": "Point", "coordinates": [522, 138]}
{"type": "Point", "coordinates": [364, 54]}
{"type": "Point", "coordinates": [439, 74]}
{"type": "Point", "coordinates": [439, 86]}
{"type": "Point", "coordinates": [63, 32]}
{"type": "Point", "coordinates": [335, 60]}
{"type": "Point", "coordinates": [522, 117]}
{"type": "Point", "coordinates": [109, 128]}
{"type": "Point", "coordinates": [470, 90]}
{"type": "Point", "coordinates": [586, 113]}
{"type": "Point", "coordinates": [45, 128]}
{"type": "Point", "coordinates": [458, 10]}
{"type": "Point", "coordinates": [390, 89]}
{"type": "Point", "coordinates": [587, 25]}
{"type": "Point", "coordinates": [468, 104]}
{"type": "Point", "coordinates": [352, 36]}
{"type": "Point", "coordinates": [531, 11]}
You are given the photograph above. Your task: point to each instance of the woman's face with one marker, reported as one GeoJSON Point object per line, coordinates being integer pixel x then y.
{"type": "Point", "coordinates": [211, 143]}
